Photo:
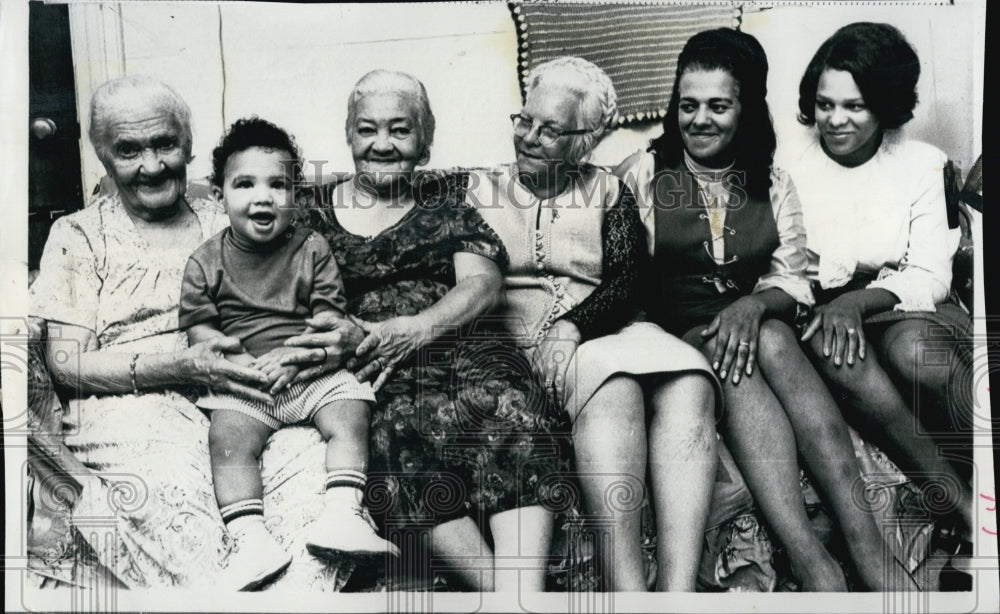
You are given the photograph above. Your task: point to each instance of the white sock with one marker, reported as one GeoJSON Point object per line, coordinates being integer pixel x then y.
{"type": "Point", "coordinates": [343, 495]}
{"type": "Point", "coordinates": [241, 525]}
{"type": "Point", "coordinates": [344, 487]}
{"type": "Point", "coordinates": [243, 514]}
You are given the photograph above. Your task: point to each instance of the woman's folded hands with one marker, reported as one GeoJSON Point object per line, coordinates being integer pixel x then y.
{"type": "Point", "coordinates": [386, 345]}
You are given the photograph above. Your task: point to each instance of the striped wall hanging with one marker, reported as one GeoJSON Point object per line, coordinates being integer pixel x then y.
{"type": "Point", "coordinates": [635, 44]}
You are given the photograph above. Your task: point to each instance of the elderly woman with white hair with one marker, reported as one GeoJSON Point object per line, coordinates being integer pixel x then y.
{"type": "Point", "coordinates": [460, 428]}
{"type": "Point", "coordinates": [108, 289]}
{"type": "Point", "coordinates": [577, 251]}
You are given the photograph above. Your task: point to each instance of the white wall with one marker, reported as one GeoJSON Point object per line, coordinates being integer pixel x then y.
{"type": "Point", "coordinates": [294, 64]}
{"type": "Point", "coordinates": [942, 36]}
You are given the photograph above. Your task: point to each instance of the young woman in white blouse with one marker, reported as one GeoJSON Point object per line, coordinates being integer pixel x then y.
{"type": "Point", "coordinates": [884, 332]}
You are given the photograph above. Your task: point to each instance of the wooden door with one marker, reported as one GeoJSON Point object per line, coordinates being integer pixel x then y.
{"type": "Point", "coordinates": [54, 184]}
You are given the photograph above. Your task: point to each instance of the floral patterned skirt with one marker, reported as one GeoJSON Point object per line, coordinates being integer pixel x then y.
{"type": "Point", "coordinates": [147, 507]}
{"type": "Point", "coordinates": [464, 429]}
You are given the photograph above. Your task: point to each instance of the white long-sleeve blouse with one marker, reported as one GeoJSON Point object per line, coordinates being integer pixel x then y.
{"type": "Point", "coordinates": [886, 217]}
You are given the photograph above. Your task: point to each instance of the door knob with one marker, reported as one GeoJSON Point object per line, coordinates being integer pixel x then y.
{"type": "Point", "coordinates": [43, 128]}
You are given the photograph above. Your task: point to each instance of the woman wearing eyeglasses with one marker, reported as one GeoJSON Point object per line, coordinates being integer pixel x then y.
{"type": "Point", "coordinates": [577, 248]}
{"type": "Point", "coordinates": [729, 263]}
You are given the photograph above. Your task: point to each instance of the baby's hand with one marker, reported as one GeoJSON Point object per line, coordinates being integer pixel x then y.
{"type": "Point", "coordinates": [245, 359]}
{"type": "Point", "coordinates": [278, 375]}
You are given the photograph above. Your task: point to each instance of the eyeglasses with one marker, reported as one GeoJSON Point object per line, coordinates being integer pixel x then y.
{"type": "Point", "coordinates": [547, 135]}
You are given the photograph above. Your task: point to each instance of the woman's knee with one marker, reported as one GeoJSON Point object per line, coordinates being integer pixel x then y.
{"type": "Point", "coordinates": [692, 395]}
{"type": "Point", "coordinates": [776, 341]}
{"type": "Point", "coordinates": [619, 398]}
{"type": "Point", "coordinates": [911, 353]}
{"type": "Point", "coordinates": [609, 424]}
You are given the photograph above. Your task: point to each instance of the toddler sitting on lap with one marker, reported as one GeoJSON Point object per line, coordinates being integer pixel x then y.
{"type": "Point", "coordinates": [258, 281]}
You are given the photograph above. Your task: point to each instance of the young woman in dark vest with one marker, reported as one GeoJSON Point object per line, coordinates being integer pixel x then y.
{"type": "Point", "coordinates": [728, 273]}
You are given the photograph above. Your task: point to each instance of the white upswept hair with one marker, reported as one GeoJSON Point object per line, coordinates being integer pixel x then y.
{"type": "Point", "coordinates": [381, 81]}
{"type": "Point", "coordinates": [127, 95]}
{"type": "Point", "coordinates": [598, 99]}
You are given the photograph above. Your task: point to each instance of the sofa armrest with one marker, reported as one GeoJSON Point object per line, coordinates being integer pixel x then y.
{"type": "Point", "coordinates": [46, 450]}
{"type": "Point", "coordinates": [959, 216]}
{"type": "Point", "coordinates": [54, 473]}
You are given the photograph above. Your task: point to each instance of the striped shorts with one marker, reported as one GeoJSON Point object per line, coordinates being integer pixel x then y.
{"type": "Point", "coordinates": [297, 402]}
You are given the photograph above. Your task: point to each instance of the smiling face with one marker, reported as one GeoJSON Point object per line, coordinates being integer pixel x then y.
{"type": "Point", "coordinates": [850, 131]}
{"type": "Point", "coordinates": [145, 156]}
{"type": "Point", "coordinates": [708, 115]}
{"type": "Point", "coordinates": [257, 193]}
{"type": "Point", "coordinates": [556, 106]}
{"type": "Point", "coordinates": [385, 138]}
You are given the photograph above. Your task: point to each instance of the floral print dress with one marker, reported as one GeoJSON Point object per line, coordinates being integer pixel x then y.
{"type": "Point", "coordinates": [463, 427]}
{"type": "Point", "coordinates": [146, 507]}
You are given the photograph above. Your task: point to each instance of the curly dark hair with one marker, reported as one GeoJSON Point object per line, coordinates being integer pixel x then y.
{"type": "Point", "coordinates": [741, 56]}
{"type": "Point", "coordinates": [884, 66]}
{"type": "Point", "coordinates": [253, 132]}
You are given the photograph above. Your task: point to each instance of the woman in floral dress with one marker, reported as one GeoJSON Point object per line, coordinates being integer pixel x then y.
{"type": "Point", "coordinates": [459, 429]}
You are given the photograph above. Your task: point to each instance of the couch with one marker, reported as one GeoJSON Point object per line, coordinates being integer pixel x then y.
{"type": "Point", "coordinates": [739, 553]}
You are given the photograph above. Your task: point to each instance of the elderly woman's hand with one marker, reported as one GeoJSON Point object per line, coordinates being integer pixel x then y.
{"type": "Point", "coordinates": [388, 344]}
{"type": "Point", "coordinates": [206, 364]}
{"type": "Point", "coordinates": [325, 346]}
{"type": "Point", "coordinates": [735, 329]}
{"type": "Point", "coordinates": [551, 357]}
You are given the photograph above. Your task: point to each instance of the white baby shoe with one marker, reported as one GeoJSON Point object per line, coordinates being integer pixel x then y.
{"type": "Point", "coordinates": [348, 531]}
{"type": "Point", "coordinates": [256, 560]}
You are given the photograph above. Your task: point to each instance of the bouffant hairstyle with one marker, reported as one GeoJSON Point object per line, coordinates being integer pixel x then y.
{"type": "Point", "coordinates": [740, 55]}
{"type": "Point", "coordinates": [253, 132]}
{"type": "Point", "coordinates": [883, 64]}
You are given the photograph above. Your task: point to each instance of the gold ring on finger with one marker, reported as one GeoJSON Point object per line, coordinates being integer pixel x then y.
{"type": "Point", "coordinates": [744, 343]}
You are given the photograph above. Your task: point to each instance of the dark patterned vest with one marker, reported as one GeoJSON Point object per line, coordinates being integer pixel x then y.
{"type": "Point", "coordinates": [684, 292]}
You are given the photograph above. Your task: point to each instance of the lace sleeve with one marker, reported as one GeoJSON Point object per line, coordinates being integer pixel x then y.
{"type": "Point", "coordinates": [614, 302]}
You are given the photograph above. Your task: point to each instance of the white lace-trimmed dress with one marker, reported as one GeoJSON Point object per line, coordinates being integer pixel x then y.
{"type": "Point", "coordinates": [148, 509]}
